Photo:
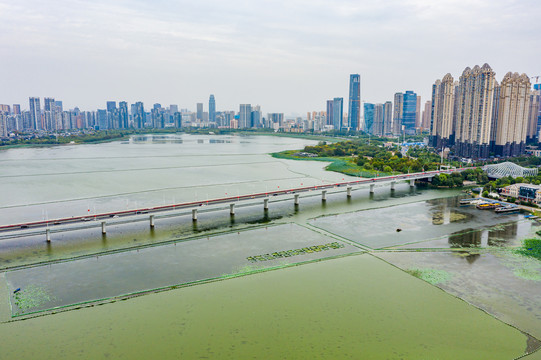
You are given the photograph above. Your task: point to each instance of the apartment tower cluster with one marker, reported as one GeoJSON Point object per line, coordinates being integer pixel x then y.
{"type": "Point", "coordinates": [479, 117]}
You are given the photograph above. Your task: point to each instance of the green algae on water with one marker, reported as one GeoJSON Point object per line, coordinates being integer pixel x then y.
{"type": "Point", "coordinates": [30, 298]}
{"type": "Point", "coordinates": [431, 276]}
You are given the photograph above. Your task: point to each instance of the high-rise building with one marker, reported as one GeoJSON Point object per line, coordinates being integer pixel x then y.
{"type": "Point", "coordinates": [123, 117]}
{"type": "Point", "coordinates": [425, 123]}
{"type": "Point", "coordinates": [513, 115]}
{"type": "Point", "coordinates": [102, 119]}
{"type": "Point", "coordinates": [474, 112]}
{"type": "Point", "coordinates": [245, 116]}
{"type": "Point", "coordinates": [398, 112]}
{"type": "Point", "coordinates": [212, 109]}
{"type": "Point", "coordinates": [338, 113]}
{"type": "Point", "coordinates": [275, 120]}
{"type": "Point", "coordinates": [329, 112]}
{"type": "Point", "coordinates": [48, 104]}
{"type": "Point", "coordinates": [199, 114]}
{"type": "Point", "coordinates": [443, 101]}
{"type": "Point", "coordinates": [35, 113]}
{"type": "Point", "coordinates": [409, 112]}
{"type": "Point", "coordinates": [533, 114]}
{"type": "Point", "coordinates": [354, 109]}
{"type": "Point", "coordinates": [418, 113]}
{"type": "Point", "coordinates": [377, 126]}
{"type": "Point", "coordinates": [255, 119]}
{"type": "Point", "coordinates": [16, 109]}
{"type": "Point", "coordinates": [138, 115]}
{"type": "Point", "coordinates": [388, 118]}
{"type": "Point", "coordinates": [368, 117]}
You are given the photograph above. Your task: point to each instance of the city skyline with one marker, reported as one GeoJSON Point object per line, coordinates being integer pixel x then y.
{"type": "Point", "coordinates": [179, 53]}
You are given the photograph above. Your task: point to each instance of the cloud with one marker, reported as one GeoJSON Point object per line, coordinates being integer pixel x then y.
{"type": "Point", "coordinates": [287, 55]}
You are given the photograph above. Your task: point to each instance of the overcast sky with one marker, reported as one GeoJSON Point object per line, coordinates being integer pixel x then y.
{"type": "Point", "coordinates": [286, 55]}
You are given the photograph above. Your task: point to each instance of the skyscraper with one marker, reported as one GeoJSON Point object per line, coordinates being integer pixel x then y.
{"type": "Point", "coordinates": [474, 112]}
{"type": "Point", "coordinates": [513, 114]}
{"type": "Point", "coordinates": [388, 118]}
{"type": "Point", "coordinates": [338, 113]}
{"type": "Point", "coordinates": [199, 115]}
{"type": "Point", "coordinates": [123, 118]}
{"type": "Point", "coordinates": [377, 126]}
{"type": "Point", "coordinates": [354, 109]}
{"type": "Point", "coordinates": [409, 112]}
{"type": "Point", "coordinates": [368, 117]}
{"type": "Point", "coordinates": [425, 123]}
{"type": "Point", "coordinates": [212, 109]}
{"type": "Point", "coordinates": [418, 113]}
{"type": "Point", "coordinates": [443, 100]}
{"type": "Point", "coordinates": [398, 113]}
{"type": "Point", "coordinates": [35, 114]}
{"type": "Point", "coordinates": [245, 116]}
{"type": "Point", "coordinates": [329, 112]}
{"type": "Point", "coordinates": [533, 115]}
{"type": "Point", "coordinates": [139, 116]}
{"type": "Point", "coordinates": [16, 109]}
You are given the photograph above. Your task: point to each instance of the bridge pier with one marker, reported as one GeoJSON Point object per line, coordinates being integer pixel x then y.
{"type": "Point", "coordinates": [103, 228]}
{"type": "Point", "coordinates": [48, 235]}
{"type": "Point", "coordinates": [266, 204]}
{"type": "Point", "coordinates": [393, 183]}
{"type": "Point", "coordinates": [231, 209]}
{"type": "Point", "coordinates": [194, 214]}
{"type": "Point", "coordinates": [296, 199]}
{"type": "Point", "coordinates": [151, 221]}
{"type": "Point", "coordinates": [371, 188]}
{"type": "Point", "coordinates": [324, 195]}
{"type": "Point", "coordinates": [412, 182]}
{"type": "Point", "coordinates": [349, 191]}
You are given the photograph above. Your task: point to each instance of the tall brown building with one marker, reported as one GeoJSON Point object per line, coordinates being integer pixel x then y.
{"type": "Point", "coordinates": [513, 115]}
{"type": "Point", "coordinates": [474, 112]}
{"type": "Point", "coordinates": [443, 101]}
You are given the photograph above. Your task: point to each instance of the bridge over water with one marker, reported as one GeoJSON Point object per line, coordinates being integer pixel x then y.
{"type": "Point", "coordinates": [133, 215]}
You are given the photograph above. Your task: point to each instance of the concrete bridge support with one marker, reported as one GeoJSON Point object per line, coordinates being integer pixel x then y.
{"type": "Point", "coordinates": [266, 204]}
{"type": "Point", "coordinates": [349, 191]}
{"type": "Point", "coordinates": [393, 183]}
{"type": "Point", "coordinates": [296, 199]}
{"type": "Point", "coordinates": [151, 221]}
{"type": "Point", "coordinates": [103, 228]}
{"type": "Point", "coordinates": [371, 188]}
{"type": "Point", "coordinates": [48, 235]}
{"type": "Point", "coordinates": [324, 195]}
{"type": "Point", "coordinates": [231, 209]}
{"type": "Point", "coordinates": [412, 182]}
{"type": "Point", "coordinates": [194, 214]}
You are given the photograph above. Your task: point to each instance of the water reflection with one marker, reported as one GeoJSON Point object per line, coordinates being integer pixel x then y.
{"type": "Point", "coordinates": [466, 238]}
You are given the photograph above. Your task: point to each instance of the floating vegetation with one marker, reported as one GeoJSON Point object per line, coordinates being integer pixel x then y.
{"type": "Point", "coordinates": [30, 298]}
{"type": "Point", "coordinates": [531, 247]}
{"type": "Point", "coordinates": [431, 276]}
{"type": "Point", "coordinates": [528, 273]}
{"type": "Point", "coordinates": [288, 253]}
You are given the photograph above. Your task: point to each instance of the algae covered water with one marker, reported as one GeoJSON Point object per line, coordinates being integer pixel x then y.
{"type": "Point", "coordinates": [329, 290]}
{"type": "Point", "coordinates": [353, 307]}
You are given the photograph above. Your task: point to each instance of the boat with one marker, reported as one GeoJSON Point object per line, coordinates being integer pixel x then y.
{"type": "Point", "coordinates": [487, 205]}
{"type": "Point", "coordinates": [506, 209]}
{"type": "Point", "coordinates": [467, 201]}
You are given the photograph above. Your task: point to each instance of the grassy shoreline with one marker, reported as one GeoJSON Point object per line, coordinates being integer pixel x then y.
{"type": "Point", "coordinates": [343, 164]}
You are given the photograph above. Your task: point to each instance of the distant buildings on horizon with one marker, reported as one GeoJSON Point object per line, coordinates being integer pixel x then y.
{"type": "Point", "coordinates": [475, 115]}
